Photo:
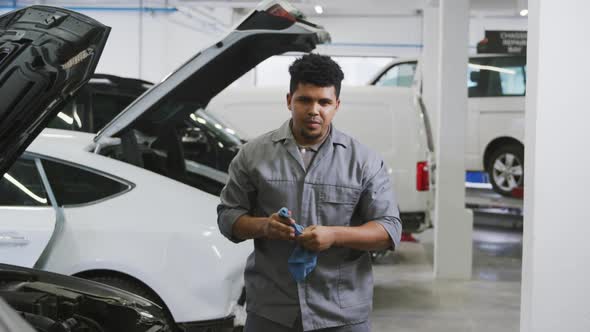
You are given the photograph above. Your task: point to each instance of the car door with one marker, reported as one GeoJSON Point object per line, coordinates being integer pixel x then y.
{"type": "Point", "coordinates": [28, 218]}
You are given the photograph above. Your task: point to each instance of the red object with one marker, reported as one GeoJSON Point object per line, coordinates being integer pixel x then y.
{"type": "Point", "coordinates": [279, 11]}
{"type": "Point", "coordinates": [408, 237]}
{"type": "Point", "coordinates": [422, 176]}
{"type": "Point", "coordinates": [518, 192]}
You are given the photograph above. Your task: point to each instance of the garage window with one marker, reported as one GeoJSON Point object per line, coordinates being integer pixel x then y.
{"type": "Point", "coordinates": [73, 185]}
{"type": "Point", "coordinates": [22, 186]}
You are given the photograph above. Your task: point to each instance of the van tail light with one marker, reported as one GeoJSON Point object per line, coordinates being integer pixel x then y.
{"type": "Point", "coordinates": [422, 176]}
{"type": "Point", "coordinates": [279, 11]}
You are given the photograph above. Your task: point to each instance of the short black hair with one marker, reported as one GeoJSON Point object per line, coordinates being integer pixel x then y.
{"type": "Point", "coordinates": [315, 69]}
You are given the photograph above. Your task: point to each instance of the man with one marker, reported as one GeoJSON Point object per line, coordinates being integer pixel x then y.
{"type": "Point", "coordinates": [335, 187]}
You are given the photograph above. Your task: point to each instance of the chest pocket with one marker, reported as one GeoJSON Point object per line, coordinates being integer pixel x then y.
{"type": "Point", "coordinates": [336, 205]}
{"type": "Point", "coordinates": [275, 194]}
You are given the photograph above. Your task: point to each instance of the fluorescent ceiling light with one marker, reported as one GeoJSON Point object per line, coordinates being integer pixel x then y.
{"type": "Point", "coordinates": [524, 12]}
{"type": "Point", "coordinates": [319, 9]}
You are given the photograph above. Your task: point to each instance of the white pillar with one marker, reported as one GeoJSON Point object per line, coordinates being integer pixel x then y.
{"type": "Point", "coordinates": [429, 63]}
{"type": "Point", "coordinates": [453, 223]}
{"type": "Point", "coordinates": [556, 250]}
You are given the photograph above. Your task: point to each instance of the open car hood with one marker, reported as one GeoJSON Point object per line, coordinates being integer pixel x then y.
{"type": "Point", "coordinates": [274, 27]}
{"type": "Point", "coordinates": [46, 300]}
{"type": "Point", "coordinates": [46, 55]}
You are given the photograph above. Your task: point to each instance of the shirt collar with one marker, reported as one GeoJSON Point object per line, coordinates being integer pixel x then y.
{"type": "Point", "coordinates": [315, 147]}
{"type": "Point", "coordinates": [284, 133]}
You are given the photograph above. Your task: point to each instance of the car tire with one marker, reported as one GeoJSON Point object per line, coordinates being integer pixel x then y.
{"type": "Point", "coordinates": [136, 288]}
{"type": "Point", "coordinates": [506, 168]}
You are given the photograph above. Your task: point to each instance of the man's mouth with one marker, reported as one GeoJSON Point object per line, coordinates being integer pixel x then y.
{"type": "Point", "coordinates": [313, 124]}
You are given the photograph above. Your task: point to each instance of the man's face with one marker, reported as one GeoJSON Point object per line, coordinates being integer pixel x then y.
{"type": "Point", "coordinates": [312, 110]}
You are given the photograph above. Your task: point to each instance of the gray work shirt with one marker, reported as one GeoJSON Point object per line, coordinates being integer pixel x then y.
{"type": "Point", "coordinates": [346, 184]}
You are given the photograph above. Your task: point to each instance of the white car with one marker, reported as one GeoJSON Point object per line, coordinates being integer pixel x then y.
{"type": "Point", "coordinates": [119, 224]}
{"type": "Point", "coordinates": [494, 141]}
{"type": "Point", "coordinates": [124, 207]}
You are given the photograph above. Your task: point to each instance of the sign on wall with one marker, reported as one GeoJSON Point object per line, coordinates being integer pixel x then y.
{"type": "Point", "coordinates": [511, 42]}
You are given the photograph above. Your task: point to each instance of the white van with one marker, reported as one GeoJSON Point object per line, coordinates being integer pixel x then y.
{"type": "Point", "coordinates": [397, 130]}
{"type": "Point", "coordinates": [496, 86]}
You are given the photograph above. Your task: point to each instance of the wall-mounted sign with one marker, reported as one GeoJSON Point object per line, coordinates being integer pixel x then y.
{"type": "Point", "coordinates": [511, 42]}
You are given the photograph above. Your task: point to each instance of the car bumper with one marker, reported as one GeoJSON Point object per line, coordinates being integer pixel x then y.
{"type": "Point", "coordinates": [215, 325]}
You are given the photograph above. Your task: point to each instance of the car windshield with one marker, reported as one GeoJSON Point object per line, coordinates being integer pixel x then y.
{"type": "Point", "coordinates": [216, 127]}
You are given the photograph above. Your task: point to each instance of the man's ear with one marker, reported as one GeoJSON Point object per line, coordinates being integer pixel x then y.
{"type": "Point", "coordinates": [289, 97]}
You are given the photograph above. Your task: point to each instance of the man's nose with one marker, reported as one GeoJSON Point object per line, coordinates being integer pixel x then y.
{"type": "Point", "coordinates": [315, 109]}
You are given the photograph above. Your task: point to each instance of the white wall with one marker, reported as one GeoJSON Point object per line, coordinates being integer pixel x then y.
{"type": "Point", "coordinates": [121, 54]}
{"type": "Point", "coordinates": [556, 257]}
{"type": "Point", "coordinates": [167, 40]}
{"type": "Point", "coordinates": [400, 36]}
{"type": "Point", "coordinates": [375, 36]}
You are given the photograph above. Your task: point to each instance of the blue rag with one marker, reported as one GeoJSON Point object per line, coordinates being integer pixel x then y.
{"type": "Point", "coordinates": [302, 261]}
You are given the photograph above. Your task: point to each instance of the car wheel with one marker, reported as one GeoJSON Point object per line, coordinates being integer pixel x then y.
{"type": "Point", "coordinates": [136, 288]}
{"type": "Point", "coordinates": [506, 169]}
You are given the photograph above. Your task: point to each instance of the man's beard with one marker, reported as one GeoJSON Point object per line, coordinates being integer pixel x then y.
{"type": "Point", "coordinates": [309, 136]}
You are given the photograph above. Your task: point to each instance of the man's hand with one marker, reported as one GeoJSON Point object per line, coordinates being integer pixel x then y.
{"type": "Point", "coordinates": [278, 228]}
{"type": "Point", "coordinates": [317, 238]}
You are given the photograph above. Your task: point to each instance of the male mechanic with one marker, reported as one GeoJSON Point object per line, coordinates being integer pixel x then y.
{"type": "Point", "coordinates": [336, 188]}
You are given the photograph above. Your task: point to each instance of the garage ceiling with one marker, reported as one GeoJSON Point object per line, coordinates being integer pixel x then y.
{"type": "Point", "coordinates": [373, 7]}
{"type": "Point", "coordinates": [330, 7]}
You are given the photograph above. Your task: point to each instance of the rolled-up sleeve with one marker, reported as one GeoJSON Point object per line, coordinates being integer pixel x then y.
{"type": "Point", "coordinates": [378, 202]}
{"type": "Point", "coordinates": [235, 197]}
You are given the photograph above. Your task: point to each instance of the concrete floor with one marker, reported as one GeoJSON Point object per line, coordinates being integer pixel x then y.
{"type": "Point", "coordinates": [408, 298]}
